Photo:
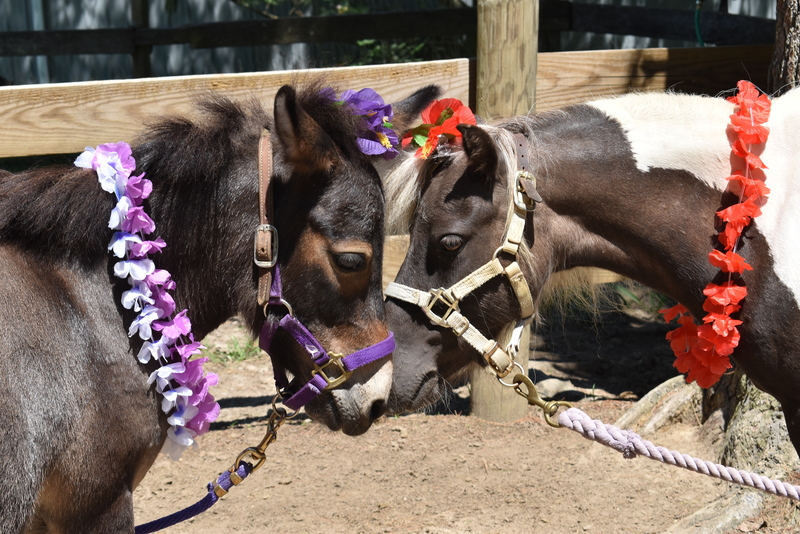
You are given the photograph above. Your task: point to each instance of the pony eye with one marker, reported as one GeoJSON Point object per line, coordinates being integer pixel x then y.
{"type": "Point", "coordinates": [451, 243]}
{"type": "Point", "coordinates": [350, 261]}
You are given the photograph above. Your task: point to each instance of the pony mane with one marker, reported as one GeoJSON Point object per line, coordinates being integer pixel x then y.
{"type": "Point", "coordinates": [62, 213]}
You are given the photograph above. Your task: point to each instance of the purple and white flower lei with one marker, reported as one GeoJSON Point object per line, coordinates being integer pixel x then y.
{"type": "Point", "coordinates": [167, 338]}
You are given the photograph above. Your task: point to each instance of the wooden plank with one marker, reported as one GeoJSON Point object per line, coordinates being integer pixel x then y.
{"type": "Point", "coordinates": [571, 77]}
{"type": "Point", "coordinates": [64, 118]}
{"type": "Point", "coordinates": [395, 248]}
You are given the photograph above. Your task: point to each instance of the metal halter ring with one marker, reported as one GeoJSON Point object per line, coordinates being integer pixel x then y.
{"type": "Point", "coordinates": [283, 303]}
{"type": "Point", "coordinates": [521, 371]}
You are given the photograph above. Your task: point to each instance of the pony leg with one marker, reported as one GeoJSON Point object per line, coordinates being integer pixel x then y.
{"type": "Point", "coordinates": [117, 517]}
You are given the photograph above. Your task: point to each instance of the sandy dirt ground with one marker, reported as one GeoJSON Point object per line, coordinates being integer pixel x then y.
{"type": "Point", "coordinates": [445, 472]}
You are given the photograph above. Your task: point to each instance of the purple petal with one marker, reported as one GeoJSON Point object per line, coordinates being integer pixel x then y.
{"type": "Point", "coordinates": [178, 326]}
{"type": "Point", "coordinates": [136, 220]}
{"type": "Point", "coordinates": [138, 188]}
{"type": "Point", "coordinates": [140, 249]}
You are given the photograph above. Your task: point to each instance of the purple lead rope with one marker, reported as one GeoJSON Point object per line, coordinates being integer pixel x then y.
{"type": "Point", "coordinates": [224, 481]}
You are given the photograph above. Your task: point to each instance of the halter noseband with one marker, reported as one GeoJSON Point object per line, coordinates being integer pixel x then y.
{"type": "Point", "coordinates": [441, 305]}
{"type": "Point", "coordinates": [330, 369]}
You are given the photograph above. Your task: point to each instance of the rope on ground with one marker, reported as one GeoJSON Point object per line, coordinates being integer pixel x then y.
{"type": "Point", "coordinates": [631, 445]}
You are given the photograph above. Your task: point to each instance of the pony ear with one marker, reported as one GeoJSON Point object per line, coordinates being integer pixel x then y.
{"type": "Point", "coordinates": [406, 112]}
{"type": "Point", "coordinates": [480, 151]}
{"type": "Point", "coordinates": [306, 145]}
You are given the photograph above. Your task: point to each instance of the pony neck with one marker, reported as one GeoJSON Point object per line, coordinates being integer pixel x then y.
{"type": "Point", "coordinates": [600, 210]}
{"type": "Point", "coordinates": [208, 226]}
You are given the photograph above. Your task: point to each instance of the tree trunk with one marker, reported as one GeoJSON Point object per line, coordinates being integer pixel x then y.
{"type": "Point", "coordinates": [784, 71]}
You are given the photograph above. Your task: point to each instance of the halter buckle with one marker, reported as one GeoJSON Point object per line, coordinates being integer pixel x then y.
{"type": "Point", "coordinates": [262, 258]}
{"type": "Point", "coordinates": [443, 297]}
{"type": "Point", "coordinates": [337, 366]}
{"type": "Point", "coordinates": [525, 194]}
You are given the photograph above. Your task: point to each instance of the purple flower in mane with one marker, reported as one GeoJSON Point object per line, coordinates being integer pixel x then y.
{"type": "Point", "coordinates": [363, 102]}
{"type": "Point", "coordinates": [378, 138]}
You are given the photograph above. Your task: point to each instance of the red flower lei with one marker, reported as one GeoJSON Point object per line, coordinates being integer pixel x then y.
{"type": "Point", "coordinates": [702, 351]}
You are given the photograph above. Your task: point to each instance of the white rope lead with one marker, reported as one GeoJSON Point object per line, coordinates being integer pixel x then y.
{"type": "Point", "coordinates": [631, 445]}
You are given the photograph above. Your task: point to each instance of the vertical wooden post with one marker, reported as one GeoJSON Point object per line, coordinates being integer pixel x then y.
{"type": "Point", "coordinates": [507, 47]}
{"type": "Point", "coordinates": [140, 18]}
{"type": "Point", "coordinates": [508, 32]}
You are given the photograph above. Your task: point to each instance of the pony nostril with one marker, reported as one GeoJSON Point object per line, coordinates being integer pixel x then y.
{"type": "Point", "coordinates": [378, 409]}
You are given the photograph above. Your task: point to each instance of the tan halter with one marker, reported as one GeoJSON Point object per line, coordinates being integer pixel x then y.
{"type": "Point", "coordinates": [500, 360]}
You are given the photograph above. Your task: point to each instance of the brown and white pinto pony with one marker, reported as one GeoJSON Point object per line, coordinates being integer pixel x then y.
{"type": "Point", "coordinates": [630, 184]}
{"type": "Point", "coordinates": [79, 423]}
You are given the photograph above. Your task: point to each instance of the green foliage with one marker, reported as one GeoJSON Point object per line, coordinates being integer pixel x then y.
{"type": "Point", "coordinates": [236, 351]}
{"type": "Point", "coordinates": [632, 296]}
{"type": "Point", "coordinates": [368, 51]}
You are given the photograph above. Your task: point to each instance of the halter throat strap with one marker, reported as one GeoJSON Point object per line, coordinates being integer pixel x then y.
{"type": "Point", "coordinates": [441, 306]}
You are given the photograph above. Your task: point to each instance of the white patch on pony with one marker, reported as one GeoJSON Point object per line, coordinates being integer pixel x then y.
{"type": "Point", "coordinates": [675, 131]}
{"type": "Point", "coordinates": [688, 132]}
{"type": "Point", "coordinates": [780, 217]}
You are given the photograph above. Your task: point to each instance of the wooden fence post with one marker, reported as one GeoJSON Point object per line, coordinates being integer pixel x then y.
{"type": "Point", "coordinates": [507, 48]}
{"type": "Point", "coordinates": [140, 18]}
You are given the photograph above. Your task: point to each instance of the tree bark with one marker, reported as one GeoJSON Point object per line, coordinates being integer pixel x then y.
{"type": "Point", "coordinates": [784, 71]}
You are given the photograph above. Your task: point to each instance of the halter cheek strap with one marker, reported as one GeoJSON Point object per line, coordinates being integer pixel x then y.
{"type": "Point", "coordinates": [441, 305]}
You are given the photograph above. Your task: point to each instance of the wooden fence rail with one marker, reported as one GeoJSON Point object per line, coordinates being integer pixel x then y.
{"type": "Point", "coordinates": [64, 118]}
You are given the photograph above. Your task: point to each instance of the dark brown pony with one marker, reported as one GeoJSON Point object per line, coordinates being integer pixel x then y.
{"type": "Point", "coordinates": [629, 184]}
{"type": "Point", "coordinates": [79, 424]}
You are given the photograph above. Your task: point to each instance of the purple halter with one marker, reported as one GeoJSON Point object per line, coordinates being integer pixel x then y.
{"type": "Point", "coordinates": [330, 369]}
